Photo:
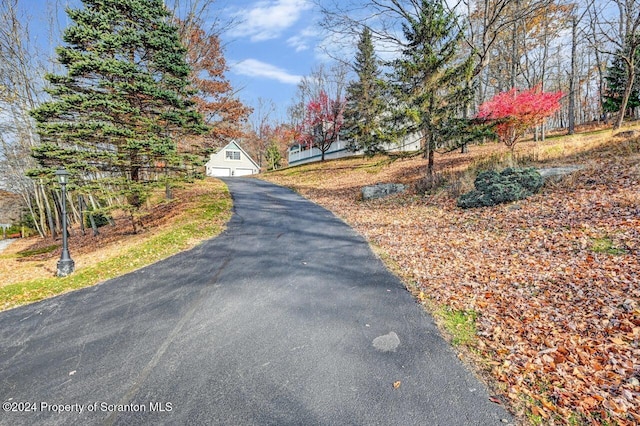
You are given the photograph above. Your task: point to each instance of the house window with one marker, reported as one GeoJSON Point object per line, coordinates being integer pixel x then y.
{"type": "Point", "coordinates": [232, 155]}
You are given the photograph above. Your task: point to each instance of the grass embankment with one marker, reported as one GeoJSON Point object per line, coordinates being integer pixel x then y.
{"type": "Point", "coordinates": [198, 211]}
{"type": "Point", "coordinates": [541, 295]}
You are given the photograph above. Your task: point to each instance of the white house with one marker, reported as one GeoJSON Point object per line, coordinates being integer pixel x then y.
{"type": "Point", "coordinates": [231, 160]}
{"type": "Point", "coordinates": [299, 154]}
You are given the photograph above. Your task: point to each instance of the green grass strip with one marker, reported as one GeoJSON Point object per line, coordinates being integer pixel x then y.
{"type": "Point", "coordinates": [460, 324]}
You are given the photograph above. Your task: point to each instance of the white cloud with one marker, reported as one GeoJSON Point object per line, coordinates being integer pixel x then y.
{"type": "Point", "coordinates": [256, 68]}
{"type": "Point", "coordinates": [300, 41]}
{"type": "Point", "coordinates": [267, 19]}
{"type": "Point", "coordinates": [335, 45]}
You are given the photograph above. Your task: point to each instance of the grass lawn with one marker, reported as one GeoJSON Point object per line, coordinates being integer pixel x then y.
{"type": "Point", "coordinates": [541, 295]}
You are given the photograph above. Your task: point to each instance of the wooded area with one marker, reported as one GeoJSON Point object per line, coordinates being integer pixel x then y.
{"type": "Point", "coordinates": [585, 50]}
{"type": "Point", "coordinates": [126, 122]}
{"type": "Point", "coordinates": [135, 99]}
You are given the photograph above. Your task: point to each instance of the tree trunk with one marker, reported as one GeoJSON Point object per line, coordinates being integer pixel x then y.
{"type": "Point", "coordinates": [77, 215]}
{"type": "Point", "coordinates": [430, 163]}
{"type": "Point", "coordinates": [625, 98]}
{"type": "Point", "coordinates": [27, 197]}
{"type": "Point", "coordinates": [133, 222]}
{"type": "Point", "coordinates": [465, 115]}
{"type": "Point", "coordinates": [430, 155]}
{"type": "Point", "coordinates": [514, 51]}
{"type": "Point", "coordinates": [57, 204]}
{"type": "Point", "coordinates": [94, 227]}
{"type": "Point", "coordinates": [168, 194]}
{"type": "Point", "coordinates": [92, 220]}
{"type": "Point", "coordinates": [572, 78]}
{"type": "Point", "coordinates": [81, 208]}
{"type": "Point", "coordinates": [49, 214]}
{"type": "Point", "coordinates": [35, 220]}
{"type": "Point", "coordinates": [424, 144]}
{"type": "Point", "coordinates": [41, 212]}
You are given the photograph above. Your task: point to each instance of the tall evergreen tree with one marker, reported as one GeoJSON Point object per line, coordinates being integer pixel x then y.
{"type": "Point", "coordinates": [616, 82]}
{"type": "Point", "coordinates": [431, 81]}
{"type": "Point", "coordinates": [115, 117]}
{"type": "Point", "coordinates": [364, 104]}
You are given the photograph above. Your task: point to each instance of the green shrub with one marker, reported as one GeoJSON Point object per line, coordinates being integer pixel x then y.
{"type": "Point", "coordinates": [493, 188]}
{"type": "Point", "coordinates": [529, 178]}
{"type": "Point", "coordinates": [101, 219]}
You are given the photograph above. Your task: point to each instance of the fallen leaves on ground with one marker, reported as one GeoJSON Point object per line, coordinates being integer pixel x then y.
{"type": "Point", "coordinates": [558, 314]}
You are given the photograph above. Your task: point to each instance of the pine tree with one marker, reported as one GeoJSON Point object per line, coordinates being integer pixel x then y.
{"type": "Point", "coordinates": [116, 115]}
{"type": "Point", "coordinates": [273, 157]}
{"type": "Point", "coordinates": [364, 104]}
{"type": "Point", "coordinates": [430, 80]}
{"type": "Point", "coordinates": [616, 81]}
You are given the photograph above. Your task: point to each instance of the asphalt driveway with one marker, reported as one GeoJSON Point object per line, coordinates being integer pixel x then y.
{"type": "Point", "coordinates": [5, 243]}
{"type": "Point", "coordinates": [287, 318]}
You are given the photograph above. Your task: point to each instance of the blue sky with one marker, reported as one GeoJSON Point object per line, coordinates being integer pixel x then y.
{"type": "Point", "coordinates": [273, 44]}
{"type": "Point", "coordinates": [270, 47]}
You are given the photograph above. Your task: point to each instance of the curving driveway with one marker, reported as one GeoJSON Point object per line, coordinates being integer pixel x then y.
{"type": "Point", "coordinates": [5, 243]}
{"type": "Point", "coordinates": [287, 318]}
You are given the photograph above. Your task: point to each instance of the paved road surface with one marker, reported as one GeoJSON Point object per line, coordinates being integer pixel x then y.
{"type": "Point", "coordinates": [287, 318]}
{"type": "Point", "coordinates": [5, 243]}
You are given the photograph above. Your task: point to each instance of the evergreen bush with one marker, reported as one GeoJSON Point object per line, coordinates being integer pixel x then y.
{"type": "Point", "coordinates": [493, 188]}
{"type": "Point", "coordinates": [100, 218]}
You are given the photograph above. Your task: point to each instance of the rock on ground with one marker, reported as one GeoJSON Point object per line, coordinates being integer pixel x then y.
{"type": "Point", "coordinates": [558, 172]}
{"type": "Point", "coordinates": [381, 190]}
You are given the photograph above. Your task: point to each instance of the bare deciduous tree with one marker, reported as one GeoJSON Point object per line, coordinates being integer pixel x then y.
{"type": "Point", "coordinates": [616, 28]}
{"type": "Point", "coordinates": [21, 79]}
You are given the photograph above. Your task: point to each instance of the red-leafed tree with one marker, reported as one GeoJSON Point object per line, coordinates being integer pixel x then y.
{"type": "Point", "coordinates": [515, 111]}
{"type": "Point", "coordinates": [322, 122]}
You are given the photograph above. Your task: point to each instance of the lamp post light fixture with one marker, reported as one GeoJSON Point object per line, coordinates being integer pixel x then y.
{"type": "Point", "coordinates": [66, 265]}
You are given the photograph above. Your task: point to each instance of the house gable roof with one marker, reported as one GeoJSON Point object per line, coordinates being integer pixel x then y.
{"type": "Point", "coordinates": [234, 145]}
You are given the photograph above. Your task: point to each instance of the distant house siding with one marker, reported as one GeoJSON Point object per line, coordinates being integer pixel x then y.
{"type": "Point", "coordinates": [338, 149]}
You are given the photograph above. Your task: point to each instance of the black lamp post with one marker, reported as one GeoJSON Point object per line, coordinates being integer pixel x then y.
{"type": "Point", "coordinates": [65, 264]}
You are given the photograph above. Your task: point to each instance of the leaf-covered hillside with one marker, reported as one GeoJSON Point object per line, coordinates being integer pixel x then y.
{"type": "Point", "coordinates": [553, 281]}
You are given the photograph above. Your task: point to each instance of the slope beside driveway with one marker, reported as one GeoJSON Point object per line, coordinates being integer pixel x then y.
{"type": "Point", "coordinates": [287, 318]}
